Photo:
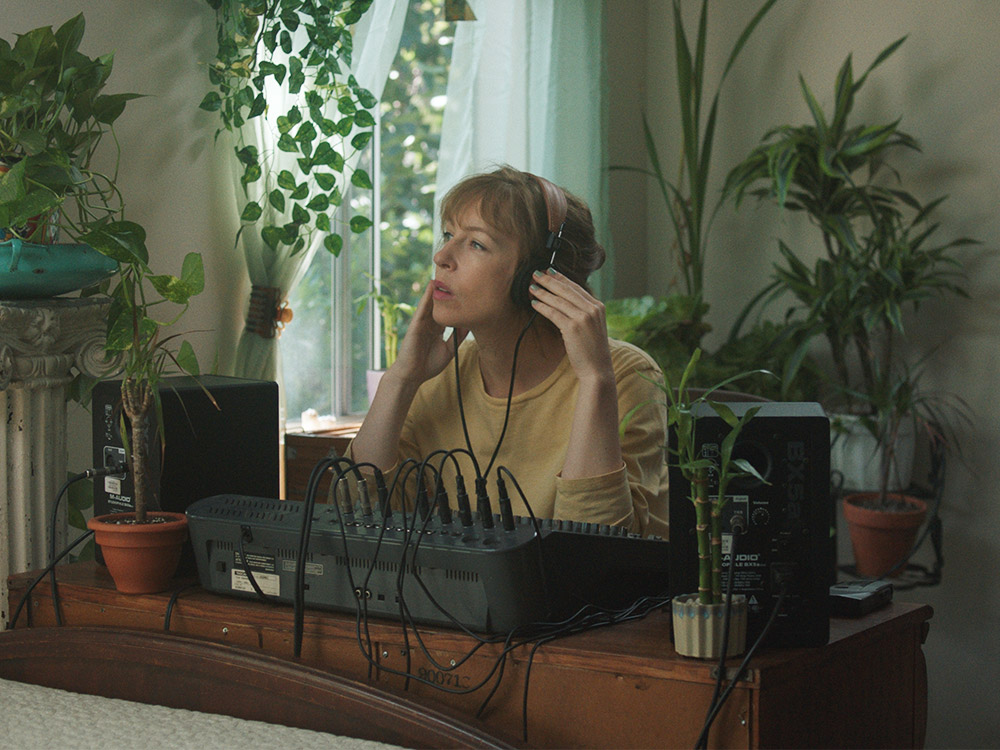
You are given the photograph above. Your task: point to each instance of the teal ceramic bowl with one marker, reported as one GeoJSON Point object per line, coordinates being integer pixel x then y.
{"type": "Point", "coordinates": [32, 271]}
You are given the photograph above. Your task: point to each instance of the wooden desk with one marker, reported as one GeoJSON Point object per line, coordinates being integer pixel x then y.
{"type": "Point", "coordinates": [622, 686]}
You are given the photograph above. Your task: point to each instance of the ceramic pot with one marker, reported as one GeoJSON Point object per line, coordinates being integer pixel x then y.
{"type": "Point", "coordinates": [141, 558]}
{"type": "Point", "coordinates": [29, 270]}
{"type": "Point", "coordinates": [882, 538]}
{"type": "Point", "coordinates": [698, 628]}
{"type": "Point", "coordinates": [857, 456]}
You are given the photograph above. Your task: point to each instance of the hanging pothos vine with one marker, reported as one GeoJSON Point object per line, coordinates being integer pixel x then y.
{"type": "Point", "coordinates": [304, 46]}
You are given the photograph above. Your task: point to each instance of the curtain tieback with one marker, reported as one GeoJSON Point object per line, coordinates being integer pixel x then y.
{"type": "Point", "coordinates": [268, 315]}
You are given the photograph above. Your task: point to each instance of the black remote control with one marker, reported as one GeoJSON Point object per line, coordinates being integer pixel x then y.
{"type": "Point", "coordinates": [857, 598]}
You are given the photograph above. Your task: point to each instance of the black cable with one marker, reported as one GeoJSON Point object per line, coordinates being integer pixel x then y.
{"type": "Point", "coordinates": [17, 612]}
{"type": "Point", "coordinates": [88, 474]}
{"type": "Point", "coordinates": [461, 409]}
{"type": "Point", "coordinates": [246, 535]}
{"type": "Point", "coordinates": [721, 668]}
{"type": "Point", "coordinates": [703, 737]}
{"type": "Point", "coordinates": [173, 601]}
{"type": "Point", "coordinates": [298, 609]}
{"type": "Point", "coordinates": [510, 392]}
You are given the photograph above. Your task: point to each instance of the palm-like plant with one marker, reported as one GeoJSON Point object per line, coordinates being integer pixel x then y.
{"type": "Point", "coordinates": [879, 257]}
{"type": "Point", "coordinates": [687, 201]}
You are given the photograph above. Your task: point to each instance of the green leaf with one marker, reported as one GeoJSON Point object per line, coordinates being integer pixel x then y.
{"type": "Point", "coordinates": [333, 243]}
{"type": "Point", "coordinates": [325, 180]}
{"type": "Point", "coordinates": [361, 140]}
{"type": "Point", "coordinates": [248, 155]}
{"type": "Point", "coordinates": [251, 212]}
{"type": "Point", "coordinates": [286, 180]}
{"type": "Point", "coordinates": [364, 119]}
{"type": "Point", "coordinates": [277, 200]}
{"type": "Point", "coordinates": [187, 360]}
{"type": "Point", "coordinates": [346, 106]}
{"type": "Point", "coordinates": [193, 273]}
{"type": "Point", "coordinates": [212, 102]}
{"type": "Point", "coordinates": [360, 224]}
{"type": "Point", "coordinates": [319, 203]}
{"type": "Point", "coordinates": [258, 107]}
{"type": "Point", "coordinates": [306, 133]}
{"type": "Point", "coordinates": [361, 179]}
{"type": "Point", "coordinates": [124, 241]}
{"type": "Point", "coordinates": [287, 143]}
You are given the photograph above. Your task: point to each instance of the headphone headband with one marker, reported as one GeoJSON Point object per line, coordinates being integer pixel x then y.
{"type": "Point", "coordinates": [555, 207]}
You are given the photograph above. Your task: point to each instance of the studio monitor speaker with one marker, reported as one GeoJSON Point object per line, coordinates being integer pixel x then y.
{"type": "Point", "coordinates": [789, 519]}
{"type": "Point", "coordinates": [220, 435]}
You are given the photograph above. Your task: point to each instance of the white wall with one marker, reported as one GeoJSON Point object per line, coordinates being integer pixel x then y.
{"type": "Point", "coordinates": [172, 175]}
{"type": "Point", "coordinates": [945, 83]}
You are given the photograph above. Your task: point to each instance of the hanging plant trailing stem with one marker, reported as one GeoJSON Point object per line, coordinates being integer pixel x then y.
{"type": "Point", "coordinates": [257, 45]}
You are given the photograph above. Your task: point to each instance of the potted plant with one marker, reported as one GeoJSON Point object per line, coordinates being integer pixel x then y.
{"type": "Point", "coordinates": [391, 312]}
{"type": "Point", "coordinates": [53, 116]}
{"type": "Point", "coordinates": [686, 199]}
{"type": "Point", "coordinates": [700, 618]}
{"type": "Point", "coordinates": [883, 523]}
{"type": "Point", "coordinates": [879, 261]}
{"type": "Point", "coordinates": [142, 549]}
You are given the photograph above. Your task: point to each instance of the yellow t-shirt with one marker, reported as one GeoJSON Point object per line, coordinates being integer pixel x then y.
{"type": "Point", "coordinates": [537, 436]}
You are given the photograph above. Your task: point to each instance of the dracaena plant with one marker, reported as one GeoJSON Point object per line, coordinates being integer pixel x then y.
{"type": "Point", "coordinates": [304, 48]}
{"type": "Point", "coordinates": [880, 256]}
{"type": "Point", "coordinates": [143, 304]}
{"type": "Point", "coordinates": [54, 113]}
{"type": "Point", "coordinates": [687, 198]}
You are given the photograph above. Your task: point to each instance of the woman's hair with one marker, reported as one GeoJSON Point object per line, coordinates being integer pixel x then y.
{"type": "Point", "coordinates": [512, 202]}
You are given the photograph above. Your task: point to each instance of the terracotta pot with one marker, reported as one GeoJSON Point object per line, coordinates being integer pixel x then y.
{"type": "Point", "coordinates": [698, 627]}
{"type": "Point", "coordinates": [141, 558]}
{"type": "Point", "coordinates": [881, 539]}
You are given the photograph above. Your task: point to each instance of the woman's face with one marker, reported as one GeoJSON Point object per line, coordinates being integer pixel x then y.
{"type": "Point", "coordinates": [473, 271]}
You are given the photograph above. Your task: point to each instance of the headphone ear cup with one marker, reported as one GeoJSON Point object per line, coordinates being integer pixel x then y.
{"type": "Point", "coordinates": [519, 287]}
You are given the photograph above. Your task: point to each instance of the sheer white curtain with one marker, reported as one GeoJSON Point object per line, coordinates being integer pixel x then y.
{"type": "Point", "coordinates": [525, 88]}
{"type": "Point", "coordinates": [376, 40]}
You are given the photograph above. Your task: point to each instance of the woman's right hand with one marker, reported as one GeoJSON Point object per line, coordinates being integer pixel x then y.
{"type": "Point", "coordinates": [424, 353]}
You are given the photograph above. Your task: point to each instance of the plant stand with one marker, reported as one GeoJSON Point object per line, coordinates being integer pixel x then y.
{"type": "Point", "coordinates": [698, 628]}
{"type": "Point", "coordinates": [41, 343]}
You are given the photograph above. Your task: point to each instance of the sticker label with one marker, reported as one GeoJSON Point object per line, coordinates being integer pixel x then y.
{"type": "Point", "coordinates": [312, 569]}
{"type": "Point", "coordinates": [269, 583]}
{"type": "Point", "coordinates": [113, 485]}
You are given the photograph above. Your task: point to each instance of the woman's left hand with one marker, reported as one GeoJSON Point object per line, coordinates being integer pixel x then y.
{"type": "Point", "coordinates": [579, 316]}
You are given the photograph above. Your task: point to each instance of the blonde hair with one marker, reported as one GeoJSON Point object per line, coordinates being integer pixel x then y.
{"type": "Point", "coordinates": [512, 202]}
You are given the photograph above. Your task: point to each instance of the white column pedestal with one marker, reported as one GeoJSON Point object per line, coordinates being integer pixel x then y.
{"type": "Point", "coordinates": [42, 344]}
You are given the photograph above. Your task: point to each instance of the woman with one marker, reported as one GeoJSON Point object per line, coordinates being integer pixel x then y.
{"type": "Point", "coordinates": [571, 383]}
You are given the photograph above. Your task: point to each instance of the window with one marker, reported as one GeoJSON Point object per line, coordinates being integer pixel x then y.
{"type": "Point", "coordinates": [329, 346]}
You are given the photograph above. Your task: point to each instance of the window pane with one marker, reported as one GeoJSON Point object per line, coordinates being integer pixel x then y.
{"type": "Point", "coordinates": [329, 346]}
{"type": "Point", "coordinates": [411, 111]}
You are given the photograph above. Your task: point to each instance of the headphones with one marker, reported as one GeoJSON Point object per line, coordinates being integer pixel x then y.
{"type": "Point", "coordinates": [555, 208]}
